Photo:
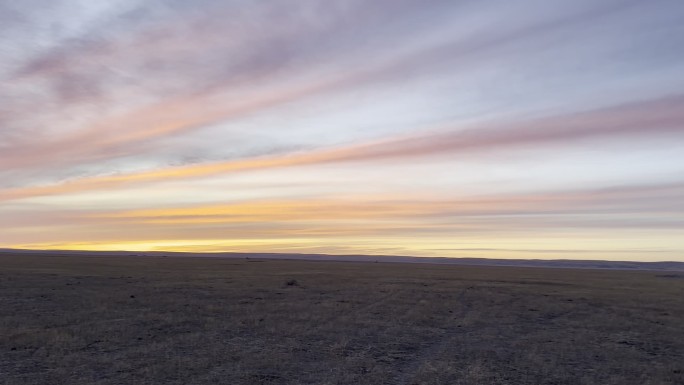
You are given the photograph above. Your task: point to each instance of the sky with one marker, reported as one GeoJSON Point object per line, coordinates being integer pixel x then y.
{"type": "Point", "coordinates": [451, 128]}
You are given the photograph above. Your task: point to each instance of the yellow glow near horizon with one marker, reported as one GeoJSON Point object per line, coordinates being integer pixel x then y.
{"type": "Point", "coordinates": [512, 248]}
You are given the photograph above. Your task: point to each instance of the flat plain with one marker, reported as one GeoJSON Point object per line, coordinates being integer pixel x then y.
{"type": "Point", "coordinates": [155, 320]}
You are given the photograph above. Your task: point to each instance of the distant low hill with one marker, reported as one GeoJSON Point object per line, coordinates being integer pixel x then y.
{"type": "Point", "coordinates": [548, 263]}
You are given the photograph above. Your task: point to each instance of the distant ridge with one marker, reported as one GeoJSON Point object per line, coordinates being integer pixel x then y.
{"type": "Point", "coordinates": [548, 263]}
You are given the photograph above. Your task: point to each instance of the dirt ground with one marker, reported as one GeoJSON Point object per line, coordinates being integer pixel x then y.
{"type": "Point", "coordinates": [155, 320]}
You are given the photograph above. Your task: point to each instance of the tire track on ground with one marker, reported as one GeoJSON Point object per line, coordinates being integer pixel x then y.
{"type": "Point", "coordinates": [353, 312]}
{"type": "Point", "coordinates": [409, 370]}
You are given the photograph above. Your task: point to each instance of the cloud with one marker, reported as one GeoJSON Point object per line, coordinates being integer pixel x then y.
{"type": "Point", "coordinates": [655, 118]}
{"type": "Point", "coordinates": [662, 117]}
{"type": "Point", "coordinates": [546, 224]}
{"type": "Point", "coordinates": [584, 205]}
{"type": "Point", "coordinates": [106, 107]}
{"type": "Point", "coordinates": [187, 76]}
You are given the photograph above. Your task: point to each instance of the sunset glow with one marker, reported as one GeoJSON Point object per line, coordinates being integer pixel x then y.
{"type": "Point", "coordinates": [527, 129]}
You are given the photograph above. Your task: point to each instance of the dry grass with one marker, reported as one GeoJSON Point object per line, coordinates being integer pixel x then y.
{"type": "Point", "coordinates": [80, 320]}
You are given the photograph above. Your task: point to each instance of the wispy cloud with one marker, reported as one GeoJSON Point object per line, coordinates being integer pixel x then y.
{"type": "Point", "coordinates": [662, 117]}
{"type": "Point", "coordinates": [186, 76]}
{"type": "Point", "coordinates": [159, 124]}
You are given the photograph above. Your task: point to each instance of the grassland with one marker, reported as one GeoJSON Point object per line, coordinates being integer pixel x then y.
{"type": "Point", "coordinates": [153, 320]}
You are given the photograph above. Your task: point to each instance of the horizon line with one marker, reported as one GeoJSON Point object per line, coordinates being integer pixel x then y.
{"type": "Point", "coordinates": [484, 261]}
